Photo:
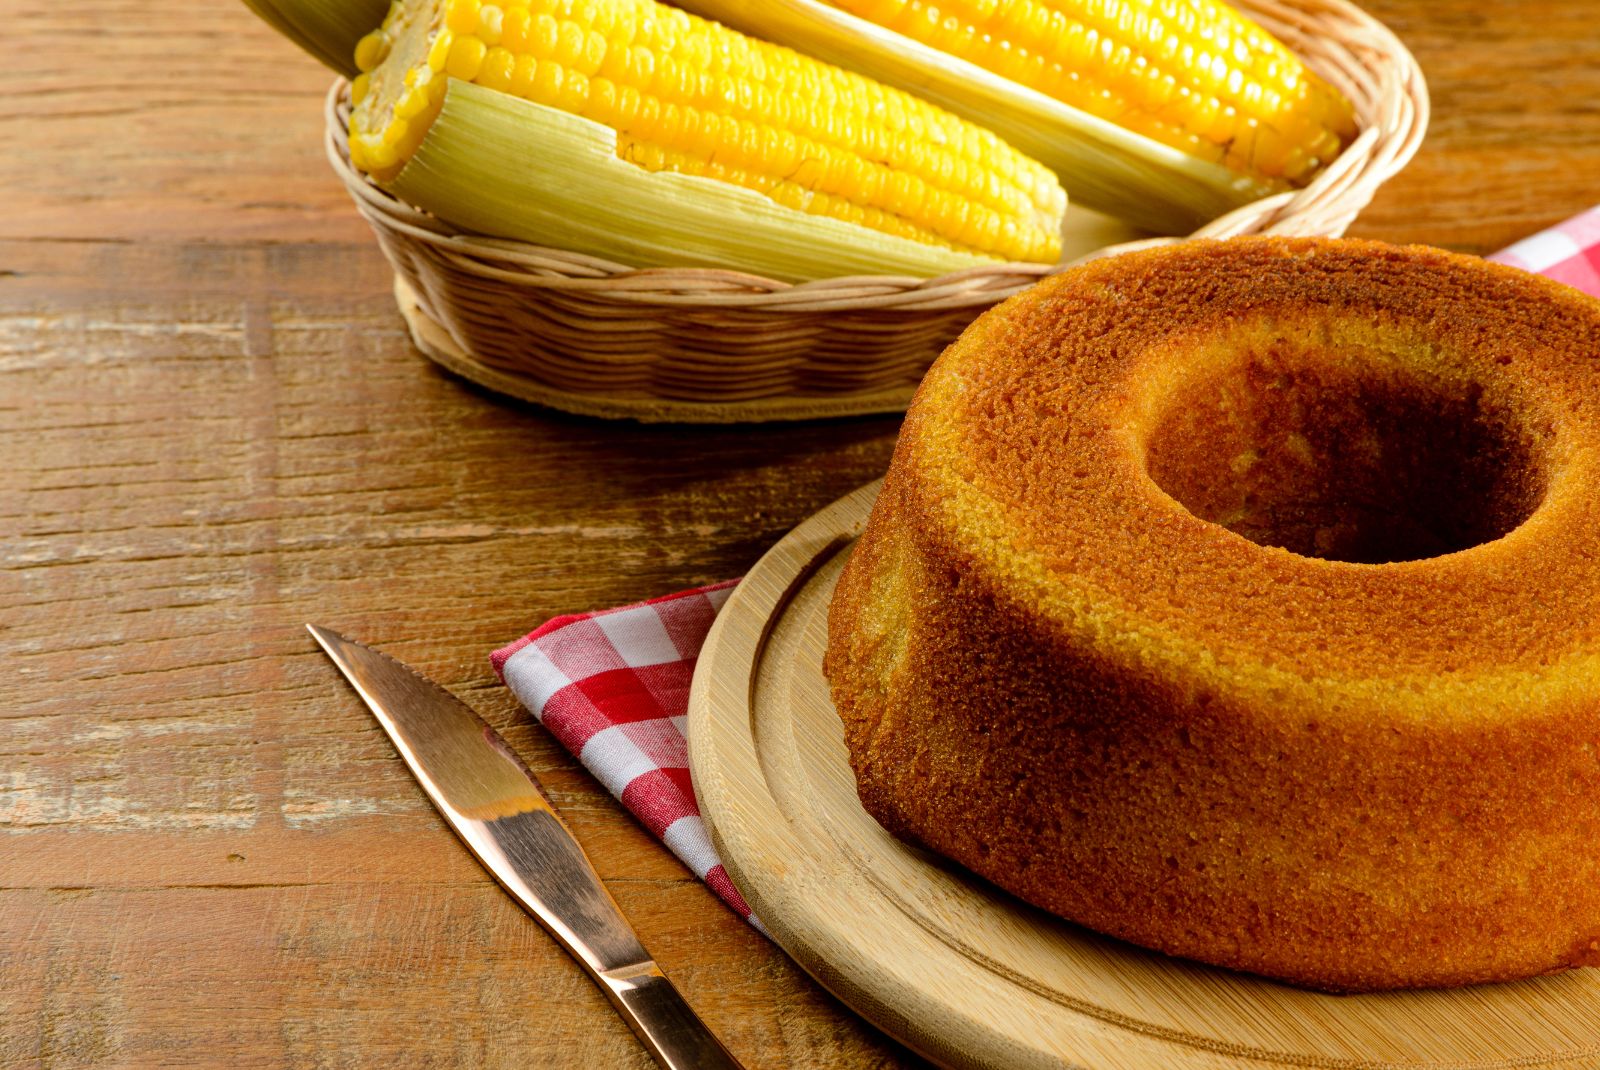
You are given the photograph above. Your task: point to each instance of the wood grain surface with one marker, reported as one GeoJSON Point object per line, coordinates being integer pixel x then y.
{"type": "Point", "coordinates": [214, 428]}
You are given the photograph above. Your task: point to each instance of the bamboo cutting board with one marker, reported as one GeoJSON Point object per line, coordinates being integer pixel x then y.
{"type": "Point", "coordinates": [968, 975]}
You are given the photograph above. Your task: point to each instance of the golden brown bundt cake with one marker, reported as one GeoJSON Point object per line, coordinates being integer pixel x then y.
{"type": "Point", "coordinates": [1242, 600]}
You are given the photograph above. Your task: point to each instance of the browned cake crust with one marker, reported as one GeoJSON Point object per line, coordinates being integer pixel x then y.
{"type": "Point", "coordinates": [1242, 600]}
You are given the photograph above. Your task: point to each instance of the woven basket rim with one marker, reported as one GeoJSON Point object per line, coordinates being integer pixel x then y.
{"type": "Point", "coordinates": [1343, 43]}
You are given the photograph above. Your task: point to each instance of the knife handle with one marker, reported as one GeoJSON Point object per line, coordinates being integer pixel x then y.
{"type": "Point", "coordinates": [665, 1024]}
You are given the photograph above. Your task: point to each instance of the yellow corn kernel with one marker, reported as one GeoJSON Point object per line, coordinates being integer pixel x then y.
{"type": "Point", "coordinates": [396, 132]}
{"type": "Point", "coordinates": [371, 50]}
{"type": "Point", "coordinates": [514, 30]}
{"type": "Point", "coordinates": [412, 103]}
{"type": "Point", "coordinates": [523, 73]}
{"type": "Point", "coordinates": [490, 22]}
{"type": "Point", "coordinates": [461, 16]}
{"type": "Point", "coordinates": [439, 51]}
{"type": "Point", "coordinates": [466, 58]}
{"type": "Point", "coordinates": [498, 67]}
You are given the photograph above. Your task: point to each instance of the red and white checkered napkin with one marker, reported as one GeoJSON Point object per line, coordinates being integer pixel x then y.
{"type": "Point", "coordinates": [613, 686]}
{"type": "Point", "coordinates": [1568, 252]}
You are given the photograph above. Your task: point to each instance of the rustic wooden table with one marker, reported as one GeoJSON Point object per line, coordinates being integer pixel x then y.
{"type": "Point", "coordinates": [214, 429]}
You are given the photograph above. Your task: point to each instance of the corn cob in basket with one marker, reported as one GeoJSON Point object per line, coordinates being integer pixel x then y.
{"type": "Point", "coordinates": [1166, 113]}
{"type": "Point", "coordinates": [1197, 76]}
{"type": "Point", "coordinates": [674, 98]}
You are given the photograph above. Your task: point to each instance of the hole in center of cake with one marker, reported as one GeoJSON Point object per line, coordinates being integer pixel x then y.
{"type": "Point", "coordinates": [1345, 459]}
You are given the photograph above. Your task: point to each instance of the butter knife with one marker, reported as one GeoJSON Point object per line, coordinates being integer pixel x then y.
{"type": "Point", "coordinates": [499, 810]}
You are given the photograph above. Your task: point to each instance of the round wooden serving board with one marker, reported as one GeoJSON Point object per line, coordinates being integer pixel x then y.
{"type": "Point", "coordinates": [968, 975]}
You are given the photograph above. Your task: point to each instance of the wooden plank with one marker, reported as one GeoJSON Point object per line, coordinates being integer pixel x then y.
{"type": "Point", "coordinates": [192, 475]}
{"type": "Point", "coordinates": [341, 975]}
{"type": "Point", "coordinates": [131, 122]}
{"type": "Point", "coordinates": [1512, 146]}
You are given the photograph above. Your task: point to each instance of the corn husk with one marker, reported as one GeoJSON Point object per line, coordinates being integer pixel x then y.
{"type": "Point", "coordinates": [1112, 170]}
{"type": "Point", "coordinates": [327, 29]}
{"type": "Point", "coordinates": [509, 168]}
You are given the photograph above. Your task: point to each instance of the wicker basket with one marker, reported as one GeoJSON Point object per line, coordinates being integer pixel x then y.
{"type": "Point", "coordinates": [696, 345]}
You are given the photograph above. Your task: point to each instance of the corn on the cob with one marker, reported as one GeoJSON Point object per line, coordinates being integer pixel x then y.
{"type": "Point", "coordinates": [687, 95]}
{"type": "Point", "coordinates": [1193, 74]}
{"type": "Point", "coordinates": [472, 170]}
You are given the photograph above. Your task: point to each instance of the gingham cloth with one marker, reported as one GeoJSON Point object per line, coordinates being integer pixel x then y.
{"type": "Point", "coordinates": [613, 688]}
{"type": "Point", "coordinates": [613, 685]}
{"type": "Point", "coordinates": [1568, 252]}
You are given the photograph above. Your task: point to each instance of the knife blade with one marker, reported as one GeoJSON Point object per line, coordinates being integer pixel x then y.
{"type": "Point", "coordinates": [492, 801]}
